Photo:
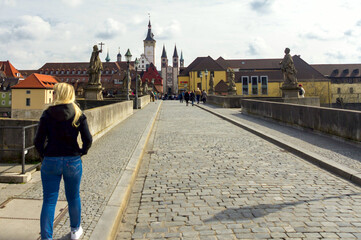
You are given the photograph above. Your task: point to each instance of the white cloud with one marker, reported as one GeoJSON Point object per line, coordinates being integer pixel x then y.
{"type": "Point", "coordinates": [257, 47]}
{"type": "Point", "coordinates": [110, 29]}
{"type": "Point", "coordinates": [73, 3]}
{"type": "Point", "coordinates": [10, 3]}
{"type": "Point", "coordinates": [26, 28]}
{"type": "Point", "coordinates": [173, 30]}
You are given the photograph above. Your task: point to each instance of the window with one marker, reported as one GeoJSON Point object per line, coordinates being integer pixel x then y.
{"type": "Point", "coordinates": [3, 95]}
{"type": "Point", "coordinates": [9, 102]}
{"type": "Point", "coordinates": [244, 85]}
{"type": "Point", "coordinates": [27, 91]}
{"type": "Point", "coordinates": [199, 73]}
{"type": "Point", "coordinates": [351, 90]}
{"type": "Point", "coordinates": [62, 72]}
{"type": "Point", "coordinates": [56, 72]}
{"type": "Point", "coordinates": [28, 102]}
{"type": "Point", "coordinates": [264, 86]}
{"type": "Point", "coordinates": [338, 90]}
{"type": "Point", "coordinates": [212, 73]}
{"type": "Point", "coordinates": [254, 80]}
{"type": "Point", "coordinates": [3, 102]}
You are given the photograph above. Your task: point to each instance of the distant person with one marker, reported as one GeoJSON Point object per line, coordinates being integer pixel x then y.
{"type": "Point", "coordinates": [186, 97]}
{"type": "Point", "coordinates": [192, 97]}
{"type": "Point", "coordinates": [198, 95]}
{"type": "Point", "coordinates": [56, 142]}
{"type": "Point", "coordinates": [204, 96]}
{"type": "Point", "coordinates": [180, 97]}
{"type": "Point", "coordinates": [301, 91]}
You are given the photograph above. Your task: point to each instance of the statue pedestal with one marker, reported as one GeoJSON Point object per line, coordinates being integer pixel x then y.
{"type": "Point", "coordinates": [93, 92]}
{"type": "Point", "coordinates": [232, 91]}
{"type": "Point", "coordinates": [290, 91]}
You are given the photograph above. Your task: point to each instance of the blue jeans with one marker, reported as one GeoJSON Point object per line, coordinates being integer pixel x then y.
{"type": "Point", "coordinates": [52, 170]}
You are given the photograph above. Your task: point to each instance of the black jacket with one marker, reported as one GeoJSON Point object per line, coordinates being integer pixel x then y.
{"type": "Point", "coordinates": [55, 126]}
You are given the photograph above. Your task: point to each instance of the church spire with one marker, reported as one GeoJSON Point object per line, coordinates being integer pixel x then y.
{"type": "Point", "coordinates": [107, 58]}
{"type": "Point", "coordinates": [175, 54]}
{"type": "Point", "coordinates": [164, 53]}
{"type": "Point", "coordinates": [150, 35]}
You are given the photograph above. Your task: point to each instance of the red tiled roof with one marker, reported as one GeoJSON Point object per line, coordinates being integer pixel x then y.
{"type": "Point", "coordinates": [37, 81]}
{"type": "Point", "coordinates": [9, 69]}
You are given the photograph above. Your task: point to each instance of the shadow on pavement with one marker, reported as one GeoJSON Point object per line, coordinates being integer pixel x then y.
{"type": "Point", "coordinates": [256, 211]}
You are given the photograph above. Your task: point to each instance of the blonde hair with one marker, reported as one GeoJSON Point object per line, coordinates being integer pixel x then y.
{"type": "Point", "coordinates": [65, 94]}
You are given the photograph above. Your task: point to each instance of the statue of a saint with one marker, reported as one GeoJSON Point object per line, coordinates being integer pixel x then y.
{"type": "Point", "coordinates": [211, 85]}
{"type": "Point", "coordinates": [288, 69]}
{"type": "Point", "coordinates": [145, 87]}
{"type": "Point", "coordinates": [95, 67]}
{"type": "Point", "coordinates": [139, 85]}
{"type": "Point", "coordinates": [231, 79]}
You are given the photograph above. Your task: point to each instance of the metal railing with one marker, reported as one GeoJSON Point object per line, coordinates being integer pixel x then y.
{"type": "Point", "coordinates": [23, 149]}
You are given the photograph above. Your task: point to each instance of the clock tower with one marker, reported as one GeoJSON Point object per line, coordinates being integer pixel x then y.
{"type": "Point", "coordinates": [149, 45]}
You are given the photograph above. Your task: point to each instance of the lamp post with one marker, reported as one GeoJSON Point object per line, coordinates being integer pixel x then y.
{"type": "Point", "coordinates": [206, 74]}
{"type": "Point", "coordinates": [128, 57]}
{"type": "Point", "coordinates": [136, 83]}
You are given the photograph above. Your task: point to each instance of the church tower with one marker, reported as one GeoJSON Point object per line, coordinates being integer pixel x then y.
{"type": "Point", "coordinates": [175, 70]}
{"type": "Point", "coordinates": [149, 45]}
{"type": "Point", "coordinates": [181, 60]}
{"type": "Point", "coordinates": [119, 56]}
{"type": "Point", "coordinates": [164, 66]}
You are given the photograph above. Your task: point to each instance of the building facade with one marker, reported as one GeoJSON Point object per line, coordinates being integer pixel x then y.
{"type": "Point", "coordinates": [31, 96]}
{"type": "Point", "coordinates": [253, 77]}
{"type": "Point", "coordinates": [9, 76]}
{"type": "Point", "coordinates": [170, 73]}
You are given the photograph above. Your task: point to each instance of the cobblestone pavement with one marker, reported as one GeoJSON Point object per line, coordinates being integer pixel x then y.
{"type": "Point", "coordinates": [344, 152]}
{"type": "Point", "coordinates": [102, 168]}
{"type": "Point", "coordinates": [208, 179]}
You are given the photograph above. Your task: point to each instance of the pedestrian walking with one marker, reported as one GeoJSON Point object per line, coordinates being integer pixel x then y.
{"type": "Point", "coordinates": [301, 91]}
{"type": "Point", "coordinates": [186, 97]}
{"type": "Point", "coordinates": [204, 96]}
{"type": "Point", "coordinates": [180, 97]}
{"type": "Point", "coordinates": [198, 95]}
{"type": "Point", "coordinates": [192, 97]}
{"type": "Point", "coordinates": [59, 127]}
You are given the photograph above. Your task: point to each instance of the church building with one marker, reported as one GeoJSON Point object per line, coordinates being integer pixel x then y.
{"type": "Point", "coordinates": [170, 73]}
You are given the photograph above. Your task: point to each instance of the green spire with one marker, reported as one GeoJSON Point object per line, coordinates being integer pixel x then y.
{"type": "Point", "coordinates": [107, 58]}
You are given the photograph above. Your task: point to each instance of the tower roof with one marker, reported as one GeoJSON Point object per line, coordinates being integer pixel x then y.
{"type": "Point", "coordinates": [181, 56]}
{"type": "Point", "coordinates": [107, 58]}
{"type": "Point", "coordinates": [164, 53]}
{"type": "Point", "coordinates": [175, 54]}
{"type": "Point", "coordinates": [150, 35]}
{"type": "Point", "coordinates": [119, 55]}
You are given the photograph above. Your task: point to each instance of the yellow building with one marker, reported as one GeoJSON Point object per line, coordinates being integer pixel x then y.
{"type": "Point", "coordinates": [258, 78]}
{"type": "Point", "coordinates": [345, 84]}
{"type": "Point", "coordinates": [31, 96]}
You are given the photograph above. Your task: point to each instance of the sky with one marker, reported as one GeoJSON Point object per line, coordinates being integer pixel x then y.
{"type": "Point", "coordinates": [34, 32]}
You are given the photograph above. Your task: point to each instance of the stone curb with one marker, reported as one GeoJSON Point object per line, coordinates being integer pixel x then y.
{"type": "Point", "coordinates": [327, 164]}
{"type": "Point", "coordinates": [106, 227]}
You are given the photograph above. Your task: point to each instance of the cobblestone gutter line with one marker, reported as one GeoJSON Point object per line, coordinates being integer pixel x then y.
{"type": "Point", "coordinates": [106, 227]}
{"type": "Point", "coordinates": [327, 164]}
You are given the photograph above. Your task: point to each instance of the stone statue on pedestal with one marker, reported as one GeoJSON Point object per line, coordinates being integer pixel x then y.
{"type": "Point", "coordinates": [139, 85]}
{"type": "Point", "coordinates": [211, 85]}
{"type": "Point", "coordinates": [232, 90]}
{"type": "Point", "coordinates": [288, 69]}
{"type": "Point", "coordinates": [93, 90]}
{"type": "Point", "coordinates": [145, 87]}
{"type": "Point", "coordinates": [95, 67]}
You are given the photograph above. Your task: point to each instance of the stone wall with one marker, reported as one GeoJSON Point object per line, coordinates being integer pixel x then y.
{"type": "Point", "coordinates": [339, 122]}
{"type": "Point", "coordinates": [143, 101]}
{"type": "Point", "coordinates": [100, 120]}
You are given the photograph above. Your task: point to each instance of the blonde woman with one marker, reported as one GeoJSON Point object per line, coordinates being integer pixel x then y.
{"type": "Point", "coordinates": [56, 142]}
